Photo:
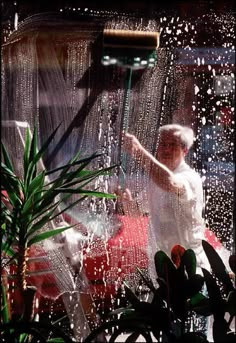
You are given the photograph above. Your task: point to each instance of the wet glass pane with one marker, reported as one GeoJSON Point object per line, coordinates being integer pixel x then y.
{"type": "Point", "coordinates": [52, 74]}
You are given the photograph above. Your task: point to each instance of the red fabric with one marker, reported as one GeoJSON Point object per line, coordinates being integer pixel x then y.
{"type": "Point", "coordinates": [45, 282]}
{"type": "Point", "coordinates": [131, 237]}
{"type": "Point", "coordinates": [119, 257]}
{"type": "Point", "coordinates": [211, 238]}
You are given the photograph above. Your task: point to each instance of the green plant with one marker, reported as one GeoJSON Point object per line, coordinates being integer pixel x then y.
{"type": "Point", "coordinates": [166, 314]}
{"type": "Point", "coordinates": [30, 202]}
{"type": "Point", "coordinates": [221, 293]}
{"type": "Point", "coordinates": [178, 297]}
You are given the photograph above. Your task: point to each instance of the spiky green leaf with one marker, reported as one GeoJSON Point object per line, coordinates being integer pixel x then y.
{"type": "Point", "coordinates": [165, 268]}
{"type": "Point", "coordinates": [48, 234]}
{"type": "Point", "coordinates": [218, 266]}
{"type": "Point", "coordinates": [45, 146]}
{"type": "Point", "coordinates": [232, 263]}
{"type": "Point", "coordinates": [34, 145]}
{"type": "Point", "coordinates": [28, 206]}
{"type": "Point", "coordinates": [86, 192]}
{"type": "Point", "coordinates": [194, 284]}
{"type": "Point", "coordinates": [4, 305]}
{"type": "Point", "coordinates": [26, 152]}
{"type": "Point", "coordinates": [38, 225]}
{"type": "Point", "coordinates": [73, 163]}
{"type": "Point", "coordinates": [132, 298]}
{"type": "Point", "coordinates": [65, 208]}
{"type": "Point", "coordinates": [189, 261]}
{"type": "Point", "coordinates": [6, 158]}
{"type": "Point", "coordinates": [230, 304]}
{"type": "Point", "coordinates": [37, 183]}
{"type": "Point", "coordinates": [147, 281]}
{"type": "Point", "coordinates": [216, 300]}
{"type": "Point", "coordinates": [30, 174]}
{"type": "Point", "coordinates": [6, 248]}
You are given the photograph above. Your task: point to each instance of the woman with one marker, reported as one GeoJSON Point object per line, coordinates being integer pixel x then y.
{"type": "Point", "coordinates": [175, 193]}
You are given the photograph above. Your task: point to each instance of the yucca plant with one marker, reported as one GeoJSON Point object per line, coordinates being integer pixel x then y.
{"type": "Point", "coordinates": [30, 202]}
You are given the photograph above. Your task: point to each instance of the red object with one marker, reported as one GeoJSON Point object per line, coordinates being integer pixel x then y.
{"type": "Point", "coordinates": [4, 197]}
{"type": "Point", "coordinates": [118, 257]}
{"type": "Point", "coordinates": [211, 238]}
{"type": "Point", "coordinates": [226, 116]}
{"type": "Point", "coordinates": [106, 263]}
{"type": "Point", "coordinates": [45, 280]}
{"type": "Point", "coordinates": [42, 278]}
{"type": "Point", "coordinates": [176, 253]}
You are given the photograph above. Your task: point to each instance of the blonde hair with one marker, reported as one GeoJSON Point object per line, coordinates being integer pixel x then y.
{"type": "Point", "coordinates": [185, 133]}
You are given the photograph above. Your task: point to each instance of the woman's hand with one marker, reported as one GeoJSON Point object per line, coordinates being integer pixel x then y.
{"type": "Point", "coordinates": [132, 144]}
{"type": "Point", "coordinates": [124, 194]}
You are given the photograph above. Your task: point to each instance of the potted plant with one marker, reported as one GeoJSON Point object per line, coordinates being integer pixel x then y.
{"type": "Point", "coordinates": [177, 298]}
{"type": "Point", "coordinates": [27, 205]}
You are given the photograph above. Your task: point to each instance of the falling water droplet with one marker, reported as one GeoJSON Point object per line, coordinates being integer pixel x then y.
{"type": "Point", "coordinates": [196, 89]}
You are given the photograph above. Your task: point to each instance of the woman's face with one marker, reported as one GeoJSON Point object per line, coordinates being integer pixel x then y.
{"type": "Point", "coordinates": [170, 152]}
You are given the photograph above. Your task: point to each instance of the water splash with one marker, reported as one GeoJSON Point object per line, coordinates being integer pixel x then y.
{"type": "Point", "coordinates": [61, 79]}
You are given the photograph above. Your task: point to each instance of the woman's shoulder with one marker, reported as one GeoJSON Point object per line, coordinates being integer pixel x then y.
{"type": "Point", "coordinates": [185, 169]}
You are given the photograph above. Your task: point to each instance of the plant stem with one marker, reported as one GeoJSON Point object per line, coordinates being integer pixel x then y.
{"type": "Point", "coordinates": [27, 292]}
{"type": "Point", "coordinates": [21, 270]}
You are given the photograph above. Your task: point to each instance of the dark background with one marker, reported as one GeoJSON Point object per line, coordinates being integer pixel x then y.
{"type": "Point", "coordinates": [184, 8]}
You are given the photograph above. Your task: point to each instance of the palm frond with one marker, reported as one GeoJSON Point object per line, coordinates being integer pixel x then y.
{"type": "Point", "coordinates": [48, 234]}
{"type": "Point", "coordinates": [45, 146]}
{"type": "Point", "coordinates": [26, 152]}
